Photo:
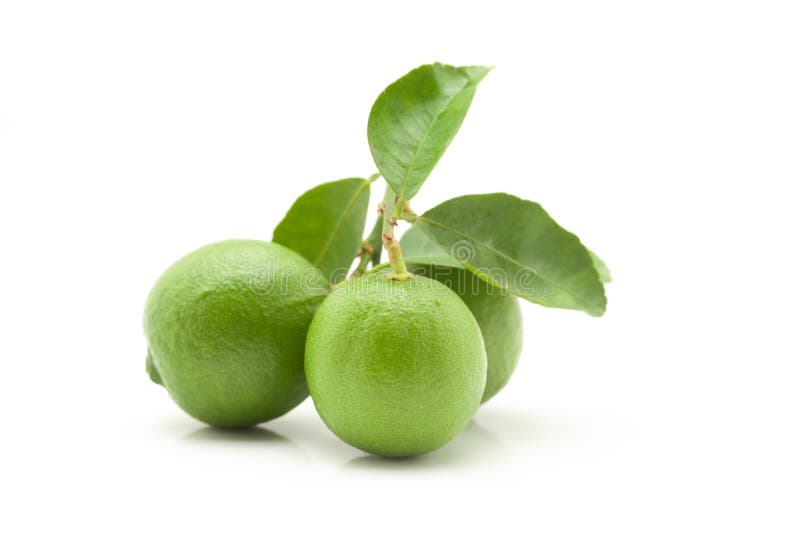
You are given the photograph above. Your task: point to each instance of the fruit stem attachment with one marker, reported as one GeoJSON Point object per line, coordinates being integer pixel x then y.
{"type": "Point", "coordinates": [392, 246]}
{"type": "Point", "coordinates": [399, 270]}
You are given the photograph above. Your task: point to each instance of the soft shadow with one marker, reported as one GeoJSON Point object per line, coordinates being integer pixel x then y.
{"type": "Point", "coordinates": [245, 435]}
{"type": "Point", "coordinates": [519, 425]}
{"type": "Point", "coordinates": [474, 445]}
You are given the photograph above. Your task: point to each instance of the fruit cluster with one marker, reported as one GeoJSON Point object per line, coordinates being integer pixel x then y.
{"type": "Point", "coordinates": [398, 356]}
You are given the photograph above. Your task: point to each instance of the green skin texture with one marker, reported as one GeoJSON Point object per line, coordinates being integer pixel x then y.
{"type": "Point", "coordinates": [498, 315]}
{"type": "Point", "coordinates": [226, 328]}
{"type": "Point", "coordinates": [395, 368]}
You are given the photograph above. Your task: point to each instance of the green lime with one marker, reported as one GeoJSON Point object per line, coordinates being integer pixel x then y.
{"type": "Point", "coordinates": [226, 327]}
{"type": "Point", "coordinates": [498, 314]}
{"type": "Point", "coordinates": [395, 368]}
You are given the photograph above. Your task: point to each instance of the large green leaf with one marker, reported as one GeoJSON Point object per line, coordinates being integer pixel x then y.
{"type": "Point", "coordinates": [601, 267]}
{"type": "Point", "coordinates": [325, 225]}
{"type": "Point", "coordinates": [515, 244]}
{"type": "Point", "coordinates": [413, 121]}
{"type": "Point", "coordinates": [420, 249]}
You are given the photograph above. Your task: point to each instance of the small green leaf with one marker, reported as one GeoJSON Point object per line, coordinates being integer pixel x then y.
{"type": "Point", "coordinates": [413, 121]}
{"type": "Point", "coordinates": [515, 244]}
{"type": "Point", "coordinates": [375, 240]}
{"type": "Point", "coordinates": [325, 225]}
{"type": "Point", "coordinates": [601, 267]}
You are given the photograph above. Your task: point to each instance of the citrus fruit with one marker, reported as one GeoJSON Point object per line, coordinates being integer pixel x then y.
{"type": "Point", "coordinates": [395, 368]}
{"type": "Point", "coordinates": [226, 328]}
{"type": "Point", "coordinates": [498, 314]}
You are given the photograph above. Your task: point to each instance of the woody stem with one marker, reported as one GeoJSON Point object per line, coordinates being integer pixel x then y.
{"type": "Point", "coordinates": [394, 209]}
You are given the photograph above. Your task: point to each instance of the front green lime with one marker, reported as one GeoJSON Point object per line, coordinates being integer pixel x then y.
{"type": "Point", "coordinates": [226, 327]}
{"type": "Point", "coordinates": [395, 368]}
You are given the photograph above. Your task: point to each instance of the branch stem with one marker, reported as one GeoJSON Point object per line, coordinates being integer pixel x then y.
{"type": "Point", "coordinates": [370, 249]}
{"type": "Point", "coordinates": [364, 255]}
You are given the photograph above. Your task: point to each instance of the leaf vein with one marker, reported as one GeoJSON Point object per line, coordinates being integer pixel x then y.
{"type": "Point", "coordinates": [495, 251]}
{"type": "Point", "coordinates": [425, 136]}
{"type": "Point", "coordinates": [339, 222]}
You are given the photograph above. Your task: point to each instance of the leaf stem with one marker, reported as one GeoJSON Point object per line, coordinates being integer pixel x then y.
{"type": "Point", "coordinates": [392, 245]}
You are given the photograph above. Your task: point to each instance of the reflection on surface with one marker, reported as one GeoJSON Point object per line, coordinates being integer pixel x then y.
{"type": "Point", "coordinates": [494, 436]}
{"type": "Point", "coordinates": [473, 445]}
{"type": "Point", "coordinates": [520, 425]}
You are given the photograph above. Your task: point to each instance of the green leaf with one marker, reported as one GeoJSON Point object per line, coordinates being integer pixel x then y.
{"type": "Point", "coordinates": [375, 240]}
{"type": "Point", "coordinates": [601, 268]}
{"type": "Point", "coordinates": [413, 121]}
{"type": "Point", "coordinates": [325, 225]}
{"type": "Point", "coordinates": [515, 244]}
{"type": "Point", "coordinates": [419, 249]}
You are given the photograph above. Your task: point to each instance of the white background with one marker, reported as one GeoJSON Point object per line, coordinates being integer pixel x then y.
{"type": "Point", "coordinates": [665, 134]}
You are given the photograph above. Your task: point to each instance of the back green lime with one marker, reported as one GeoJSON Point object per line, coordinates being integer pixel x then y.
{"type": "Point", "coordinates": [499, 317]}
